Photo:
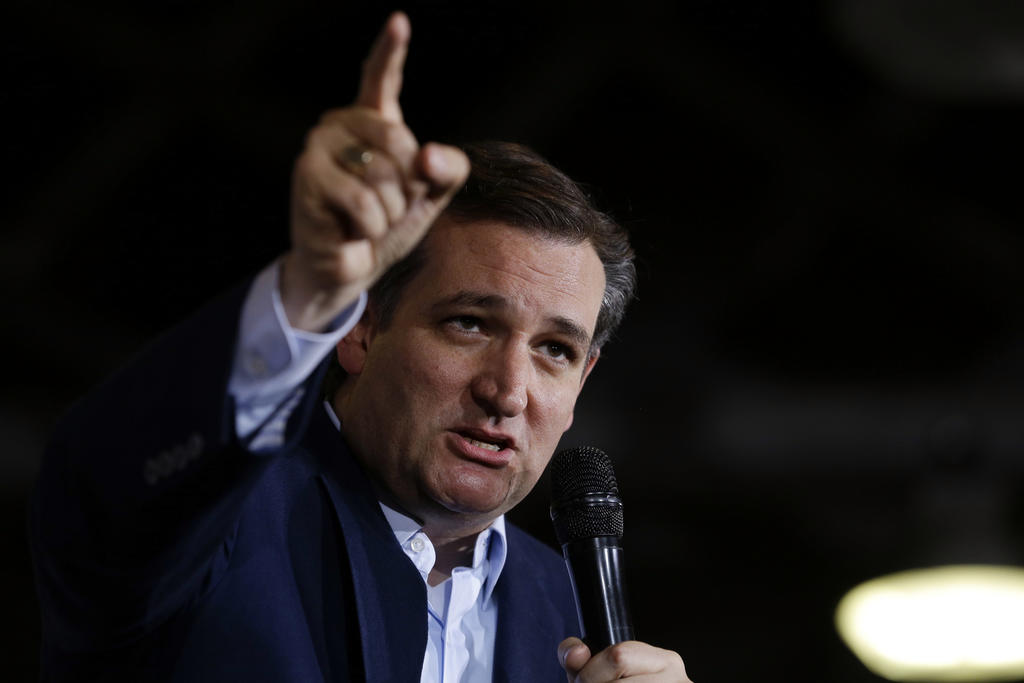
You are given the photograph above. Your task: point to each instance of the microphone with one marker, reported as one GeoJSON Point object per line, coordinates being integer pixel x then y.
{"type": "Point", "coordinates": [587, 515]}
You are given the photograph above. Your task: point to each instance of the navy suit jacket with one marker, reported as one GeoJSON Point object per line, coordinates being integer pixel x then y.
{"type": "Point", "coordinates": [165, 551]}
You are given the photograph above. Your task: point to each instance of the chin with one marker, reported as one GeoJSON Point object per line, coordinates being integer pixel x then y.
{"type": "Point", "coordinates": [472, 488]}
{"type": "Point", "coordinates": [472, 504]}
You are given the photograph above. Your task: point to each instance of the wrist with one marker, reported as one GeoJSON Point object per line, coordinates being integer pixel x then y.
{"type": "Point", "coordinates": [308, 305]}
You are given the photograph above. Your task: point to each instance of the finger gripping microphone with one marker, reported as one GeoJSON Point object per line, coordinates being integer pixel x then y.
{"type": "Point", "coordinates": [587, 515]}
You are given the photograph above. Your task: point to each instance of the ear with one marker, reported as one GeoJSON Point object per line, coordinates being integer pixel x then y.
{"type": "Point", "coordinates": [591, 362]}
{"type": "Point", "coordinates": [354, 347]}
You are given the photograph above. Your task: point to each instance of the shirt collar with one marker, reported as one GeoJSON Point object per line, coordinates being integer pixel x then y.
{"type": "Point", "coordinates": [491, 545]}
{"type": "Point", "coordinates": [403, 526]}
{"type": "Point", "coordinates": [497, 548]}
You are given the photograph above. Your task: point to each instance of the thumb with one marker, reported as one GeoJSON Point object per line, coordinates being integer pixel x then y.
{"type": "Point", "coordinates": [444, 167]}
{"type": "Point", "coordinates": [573, 655]}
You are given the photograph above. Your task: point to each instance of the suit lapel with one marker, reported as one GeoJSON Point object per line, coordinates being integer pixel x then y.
{"type": "Point", "coordinates": [389, 592]}
{"type": "Point", "coordinates": [528, 621]}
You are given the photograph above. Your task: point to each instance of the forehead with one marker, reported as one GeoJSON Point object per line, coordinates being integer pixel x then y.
{"type": "Point", "coordinates": [528, 268]}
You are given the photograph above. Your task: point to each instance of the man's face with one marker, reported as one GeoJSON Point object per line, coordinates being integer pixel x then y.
{"type": "Point", "coordinates": [457, 406]}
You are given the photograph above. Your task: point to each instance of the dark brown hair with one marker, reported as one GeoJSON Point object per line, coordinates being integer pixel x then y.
{"type": "Point", "coordinates": [510, 183]}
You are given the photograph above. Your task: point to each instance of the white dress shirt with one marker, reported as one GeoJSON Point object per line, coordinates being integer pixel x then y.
{"type": "Point", "coordinates": [272, 360]}
{"type": "Point", "coordinates": [462, 616]}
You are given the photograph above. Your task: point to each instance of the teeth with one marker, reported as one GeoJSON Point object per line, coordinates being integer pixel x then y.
{"type": "Point", "coordinates": [484, 444]}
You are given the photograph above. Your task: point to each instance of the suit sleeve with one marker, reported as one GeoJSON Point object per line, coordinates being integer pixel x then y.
{"type": "Point", "coordinates": [132, 518]}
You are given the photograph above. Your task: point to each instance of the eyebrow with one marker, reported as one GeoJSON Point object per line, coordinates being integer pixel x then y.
{"type": "Point", "coordinates": [570, 328]}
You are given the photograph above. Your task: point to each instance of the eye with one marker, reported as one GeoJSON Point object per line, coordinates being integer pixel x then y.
{"type": "Point", "coordinates": [559, 351]}
{"type": "Point", "coordinates": [465, 323]}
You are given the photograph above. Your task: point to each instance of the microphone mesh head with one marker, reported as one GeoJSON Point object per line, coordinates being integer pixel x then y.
{"type": "Point", "coordinates": [584, 495]}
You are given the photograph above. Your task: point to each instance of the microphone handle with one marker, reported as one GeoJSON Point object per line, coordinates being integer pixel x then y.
{"type": "Point", "coordinates": [595, 568]}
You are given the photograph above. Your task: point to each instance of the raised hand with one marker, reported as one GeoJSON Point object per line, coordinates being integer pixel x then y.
{"type": "Point", "coordinates": [364, 191]}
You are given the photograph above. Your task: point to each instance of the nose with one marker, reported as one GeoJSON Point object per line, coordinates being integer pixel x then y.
{"type": "Point", "coordinates": [502, 384]}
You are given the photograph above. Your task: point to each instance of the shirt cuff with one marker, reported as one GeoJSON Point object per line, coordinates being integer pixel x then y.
{"type": "Point", "coordinates": [272, 359]}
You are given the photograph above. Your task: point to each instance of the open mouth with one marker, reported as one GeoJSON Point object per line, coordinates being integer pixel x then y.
{"type": "Point", "coordinates": [494, 444]}
{"type": "Point", "coordinates": [483, 448]}
{"type": "Point", "coordinates": [484, 444]}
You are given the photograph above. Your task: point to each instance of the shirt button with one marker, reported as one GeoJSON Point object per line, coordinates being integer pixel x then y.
{"type": "Point", "coordinates": [417, 544]}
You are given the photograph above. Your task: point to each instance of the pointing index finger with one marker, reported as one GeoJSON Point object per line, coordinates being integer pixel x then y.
{"type": "Point", "coordinates": [382, 70]}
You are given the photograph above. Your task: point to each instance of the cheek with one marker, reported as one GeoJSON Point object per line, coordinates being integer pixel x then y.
{"type": "Point", "coordinates": [553, 412]}
{"type": "Point", "coordinates": [435, 374]}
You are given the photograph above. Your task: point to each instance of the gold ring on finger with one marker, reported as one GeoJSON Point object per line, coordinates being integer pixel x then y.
{"type": "Point", "coordinates": [355, 159]}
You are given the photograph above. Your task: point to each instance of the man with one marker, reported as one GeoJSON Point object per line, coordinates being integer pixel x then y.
{"type": "Point", "coordinates": [193, 523]}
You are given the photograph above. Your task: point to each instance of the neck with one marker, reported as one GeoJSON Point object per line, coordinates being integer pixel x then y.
{"type": "Point", "coordinates": [450, 552]}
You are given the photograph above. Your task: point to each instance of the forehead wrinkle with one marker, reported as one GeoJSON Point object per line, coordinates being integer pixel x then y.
{"type": "Point", "coordinates": [561, 282]}
{"type": "Point", "coordinates": [561, 279]}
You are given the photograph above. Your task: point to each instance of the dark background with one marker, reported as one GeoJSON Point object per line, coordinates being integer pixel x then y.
{"type": "Point", "coordinates": [821, 379]}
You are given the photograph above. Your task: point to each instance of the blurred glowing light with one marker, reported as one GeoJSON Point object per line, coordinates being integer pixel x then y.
{"type": "Point", "coordinates": [957, 623]}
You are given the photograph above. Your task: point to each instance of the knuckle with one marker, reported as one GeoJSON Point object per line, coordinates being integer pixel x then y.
{"type": "Point", "coordinates": [353, 261]}
{"type": "Point", "coordinates": [396, 204]}
{"type": "Point", "coordinates": [362, 200]}
{"type": "Point", "coordinates": [391, 137]}
{"type": "Point", "coordinates": [395, 210]}
{"type": "Point", "coordinates": [399, 140]}
{"type": "Point", "coordinates": [618, 657]}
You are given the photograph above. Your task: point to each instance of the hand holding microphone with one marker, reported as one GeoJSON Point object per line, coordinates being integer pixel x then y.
{"type": "Point", "coordinates": [587, 515]}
